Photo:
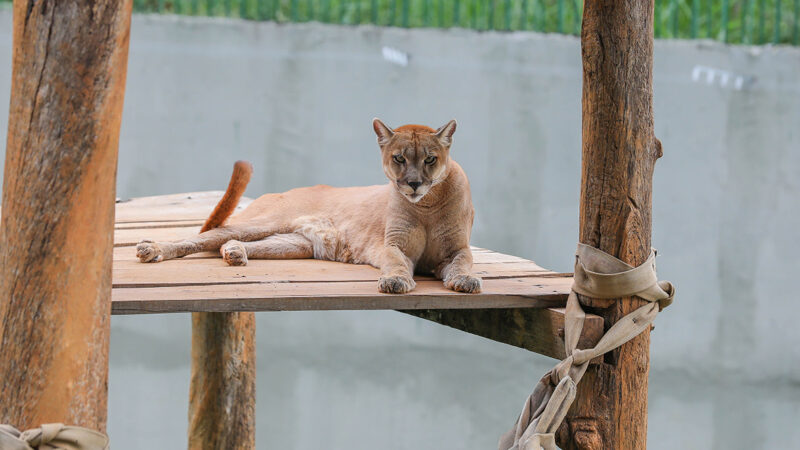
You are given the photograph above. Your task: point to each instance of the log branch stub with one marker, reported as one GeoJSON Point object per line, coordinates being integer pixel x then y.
{"type": "Point", "coordinates": [69, 65]}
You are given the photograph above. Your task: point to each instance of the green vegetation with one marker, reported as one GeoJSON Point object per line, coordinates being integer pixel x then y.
{"type": "Point", "coordinates": [733, 21]}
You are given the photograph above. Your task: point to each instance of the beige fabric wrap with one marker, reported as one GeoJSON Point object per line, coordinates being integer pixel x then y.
{"type": "Point", "coordinates": [52, 436]}
{"type": "Point", "coordinates": [597, 275]}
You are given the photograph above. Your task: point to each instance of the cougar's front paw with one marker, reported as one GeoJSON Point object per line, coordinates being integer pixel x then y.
{"type": "Point", "coordinates": [464, 283]}
{"type": "Point", "coordinates": [234, 254]}
{"type": "Point", "coordinates": [149, 251]}
{"type": "Point", "coordinates": [396, 285]}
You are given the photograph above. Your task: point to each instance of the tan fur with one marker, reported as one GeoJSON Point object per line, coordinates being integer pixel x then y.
{"type": "Point", "coordinates": [420, 222]}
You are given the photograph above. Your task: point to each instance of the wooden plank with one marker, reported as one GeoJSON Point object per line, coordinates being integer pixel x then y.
{"type": "Point", "coordinates": [489, 256]}
{"type": "Point", "coordinates": [503, 293]}
{"type": "Point", "coordinates": [538, 330]}
{"type": "Point", "coordinates": [127, 237]}
{"type": "Point", "coordinates": [186, 206]}
{"type": "Point", "coordinates": [201, 271]}
{"type": "Point", "coordinates": [157, 224]}
{"type": "Point", "coordinates": [131, 273]}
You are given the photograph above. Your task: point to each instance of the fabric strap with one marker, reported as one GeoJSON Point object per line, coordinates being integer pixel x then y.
{"type": "Point", "coordinates": [52, 436]}
{"type": "Point", "coordinates": [597, 275]}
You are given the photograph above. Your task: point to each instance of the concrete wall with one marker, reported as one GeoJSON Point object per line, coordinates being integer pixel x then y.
{"type": "Point", "coordinates": [297, 101]}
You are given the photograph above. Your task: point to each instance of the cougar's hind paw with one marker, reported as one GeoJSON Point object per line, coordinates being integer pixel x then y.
{"type": "Point", "coordinates": [233, 253]}
{"type": "Point", "coordinates": [149, 251]}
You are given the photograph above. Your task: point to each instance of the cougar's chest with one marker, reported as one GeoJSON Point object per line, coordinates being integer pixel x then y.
{"type": "Point", "coordinates": [437, 248]}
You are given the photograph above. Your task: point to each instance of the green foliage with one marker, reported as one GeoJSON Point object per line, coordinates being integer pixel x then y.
{"type": "Point", "coordinates": [733, 21]}
{"type": "Point", "coordinates": [541, 15]}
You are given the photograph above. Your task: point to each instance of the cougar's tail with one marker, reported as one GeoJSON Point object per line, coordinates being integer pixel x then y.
{"type": "Point", "coordinates": [239, 179]}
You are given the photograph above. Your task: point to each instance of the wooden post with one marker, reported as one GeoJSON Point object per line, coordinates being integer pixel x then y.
{"type": "Point", "coordinates": [68, 81]}
{"type": "Point", "coordinates": [619, 153]}
{"type": "Point", "coordinates": [223, 388]}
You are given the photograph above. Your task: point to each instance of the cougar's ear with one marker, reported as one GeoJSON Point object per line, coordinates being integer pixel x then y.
{"type": "Point", "coordinates": [445, 133]}
{"type": "Point", "coordinates": [383, 132]}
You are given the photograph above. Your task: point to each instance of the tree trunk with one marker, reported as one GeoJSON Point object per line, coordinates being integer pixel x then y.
{"type": "Point", "coordinates": [619, 153]}
{"type": "Point", "coordinates": [56, 236]}
{"type": "Point", "coordinates": [223, 388]}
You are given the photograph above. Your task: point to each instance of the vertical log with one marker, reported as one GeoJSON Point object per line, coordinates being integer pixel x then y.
{"type": "Point", "coordinates": [223, 386]}
{"type": "Point", "coordinates": [56, 236]}
{"type": "Point", "coordinates": [619, 154]}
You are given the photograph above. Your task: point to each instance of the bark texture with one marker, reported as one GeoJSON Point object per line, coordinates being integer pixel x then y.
{"type": "Point", "coordinates": [222, 394]}
{"type": "Point", "coordinates": [619, 154]}
{"type": "Point", "coordinates": [68, 81]}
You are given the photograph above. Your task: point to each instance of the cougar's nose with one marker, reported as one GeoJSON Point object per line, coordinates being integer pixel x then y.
{"type": "Point", "coordinates": [414, 184]}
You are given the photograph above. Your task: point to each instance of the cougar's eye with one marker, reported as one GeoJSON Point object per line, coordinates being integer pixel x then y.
{"type": "Point", "coordinates": [399, 159]}
{"type": "Point", "coordinates": [430, 160]}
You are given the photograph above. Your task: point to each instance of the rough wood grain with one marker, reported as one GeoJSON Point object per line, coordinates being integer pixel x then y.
{"type": "Point", "coordinates": [619, 154]}
{"type": "Point", "coordinates": [222, 393]}
{"type": "Point", "coordinates": [68, 80]}
{"type": "Point", "coordinates": [538, 330]}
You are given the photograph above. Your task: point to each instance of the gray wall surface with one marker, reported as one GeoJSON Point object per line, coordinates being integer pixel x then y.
{"type": "Point", "coordinates": [297, 101]}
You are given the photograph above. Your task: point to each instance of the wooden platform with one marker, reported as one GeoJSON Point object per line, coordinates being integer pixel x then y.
{"type": "Point", "coordinates": [520, 303]}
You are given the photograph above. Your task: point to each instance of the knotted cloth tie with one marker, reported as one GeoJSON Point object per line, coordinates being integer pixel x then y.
{"type": "Point", "coordinates": [52, 436]}
{"type": "Point", "coordinates": [597, 275]}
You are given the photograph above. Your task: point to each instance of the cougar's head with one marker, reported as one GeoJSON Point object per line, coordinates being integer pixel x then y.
{"type": "Point", "coordinates": [415, 157]}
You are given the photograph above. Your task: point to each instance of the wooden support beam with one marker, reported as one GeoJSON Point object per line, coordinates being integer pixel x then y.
{"type": "Point", "coordinates": [222, 394]}
{"type": "Point", "coordinates": [538, 330]}
{"type": "Point", "coordinates": [619, 154]}
{"type": "Point", "coordinates": [68, 81]}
